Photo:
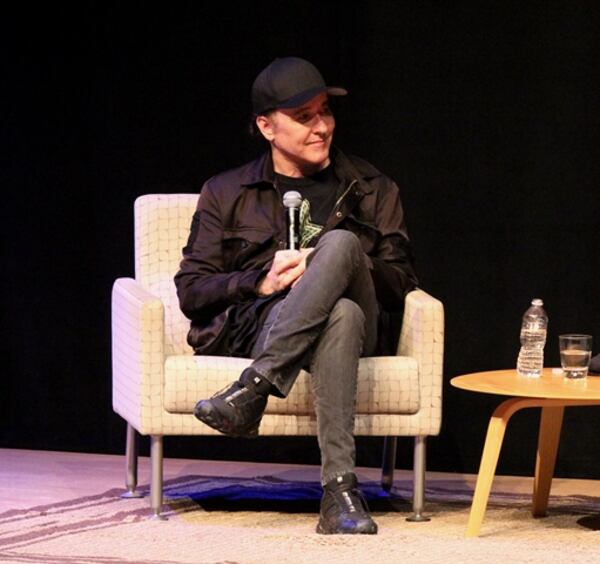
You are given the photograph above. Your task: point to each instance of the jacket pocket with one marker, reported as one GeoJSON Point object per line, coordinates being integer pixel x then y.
{"type": "Point", "coordinates": [241, 247]}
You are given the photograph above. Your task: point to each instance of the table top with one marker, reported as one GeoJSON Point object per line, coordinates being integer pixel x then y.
{"type": "Point", "coordinates": [548, 385]}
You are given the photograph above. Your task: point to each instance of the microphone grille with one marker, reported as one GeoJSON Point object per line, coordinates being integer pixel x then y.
{"type": "Point", "coordinates": [292, 199]}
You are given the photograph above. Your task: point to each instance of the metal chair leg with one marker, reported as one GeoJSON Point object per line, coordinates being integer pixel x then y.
{"type": "Point", "coordinates": [131, 464]}
{"type": "Point", "coordinates": [156, 478]}
{"type": "Point", "coordinates": [419, 481]}
{"type": "Point", "coordinates": [389, 462]}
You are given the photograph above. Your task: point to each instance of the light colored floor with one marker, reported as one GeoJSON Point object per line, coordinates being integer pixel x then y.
{"type": "Point", "coordinates": [30, 478]}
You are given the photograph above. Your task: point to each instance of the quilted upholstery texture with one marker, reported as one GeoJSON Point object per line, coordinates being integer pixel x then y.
{"type": "Point", "coordinates": [188, 378]}
{"type": "Point", "coordinates": [157, 380]}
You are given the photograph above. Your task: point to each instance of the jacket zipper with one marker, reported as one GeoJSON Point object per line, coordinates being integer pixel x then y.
{"type": "Point", "coordinates": [339, 201]}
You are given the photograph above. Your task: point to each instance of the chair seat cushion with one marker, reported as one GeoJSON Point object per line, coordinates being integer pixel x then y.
{"type": "Point", "coordinates": [386, 384]}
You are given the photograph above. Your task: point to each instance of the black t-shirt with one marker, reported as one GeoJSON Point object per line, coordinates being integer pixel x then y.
{"type": "Point", "coordinates": [319, 195]}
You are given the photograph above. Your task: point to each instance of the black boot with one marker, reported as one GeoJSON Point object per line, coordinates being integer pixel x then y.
{"type": "Point", "coordinates": [344, 510]}
{"type": "Point", "coordinates": [237, 410]}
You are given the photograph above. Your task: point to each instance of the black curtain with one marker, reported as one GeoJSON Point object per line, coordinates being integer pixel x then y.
{"type": "Point", "coordinates": [487, 116]}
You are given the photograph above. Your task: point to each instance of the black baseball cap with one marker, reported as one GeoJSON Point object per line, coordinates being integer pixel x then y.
{"type": "Point", "coordinates": [288, 82]}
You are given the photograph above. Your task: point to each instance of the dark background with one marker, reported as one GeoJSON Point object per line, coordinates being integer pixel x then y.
{"type": "Point", "coordinates": [487, 117]}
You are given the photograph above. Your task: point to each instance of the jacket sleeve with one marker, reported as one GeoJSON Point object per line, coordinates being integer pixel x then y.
{"type": "Point", "coordinates": [203, 286]}
{"type": "Point", "coordinates": [392, 260]}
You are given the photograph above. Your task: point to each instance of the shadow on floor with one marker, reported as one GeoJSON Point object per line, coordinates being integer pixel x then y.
{"type": "Point", "coordinates": [273, 494]}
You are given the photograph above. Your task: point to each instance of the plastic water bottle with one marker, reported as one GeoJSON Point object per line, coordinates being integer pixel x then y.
{"type": "Point", "coordinates": [533, 339]}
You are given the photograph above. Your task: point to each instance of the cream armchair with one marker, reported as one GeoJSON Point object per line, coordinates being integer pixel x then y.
{"type": "Point", "coordinates": [157, 379]}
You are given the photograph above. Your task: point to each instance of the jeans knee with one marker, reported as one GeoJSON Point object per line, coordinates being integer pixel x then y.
{"type": "Point", "coordinates": [343, 244]}
{"type": "Point", "coordinates": [341, 238]}
{"type": "Point", "coordinates": [349, 315]}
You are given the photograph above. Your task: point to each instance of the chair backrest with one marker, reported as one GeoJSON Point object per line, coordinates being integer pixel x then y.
{"type": "Point", "coordinates": [162, 226]}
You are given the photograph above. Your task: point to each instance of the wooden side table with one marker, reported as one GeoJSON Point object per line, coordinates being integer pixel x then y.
{"type": "Point", "coordinates": [550, 392]}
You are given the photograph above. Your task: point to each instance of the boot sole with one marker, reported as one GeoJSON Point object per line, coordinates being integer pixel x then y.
{"type": "Point", "coordinates": [324, 530]}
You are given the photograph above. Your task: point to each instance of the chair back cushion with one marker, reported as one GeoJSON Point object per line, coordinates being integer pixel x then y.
{"type": "Point", "coordinates": [162, 226]}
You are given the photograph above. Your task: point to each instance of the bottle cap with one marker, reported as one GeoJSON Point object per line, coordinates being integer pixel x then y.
{"type": "Point", "coordinates": [537, 302]}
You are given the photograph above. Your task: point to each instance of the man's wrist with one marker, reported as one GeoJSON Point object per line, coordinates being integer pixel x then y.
{"type": "Point", "coordinates": [260, 283]}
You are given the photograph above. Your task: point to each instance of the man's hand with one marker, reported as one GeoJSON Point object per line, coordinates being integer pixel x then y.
{"type": "Point", "coordinates": [286, 270]}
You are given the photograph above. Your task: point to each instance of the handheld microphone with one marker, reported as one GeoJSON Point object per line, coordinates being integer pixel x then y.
{"type": "Point", "coordinates": [292, 201]}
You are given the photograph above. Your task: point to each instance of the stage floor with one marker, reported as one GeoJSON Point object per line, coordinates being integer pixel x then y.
{"type": "Point", "coordinates": [30, 478]}
{"type": "Point", "coordinates": [65, 508]}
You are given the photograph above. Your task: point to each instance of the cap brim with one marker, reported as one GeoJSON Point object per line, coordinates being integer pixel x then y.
{"type": "Point", "coordinates": [307, 95]}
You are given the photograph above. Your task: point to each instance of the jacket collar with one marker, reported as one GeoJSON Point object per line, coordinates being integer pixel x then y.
{"type": "Point", "coordinates": [258, 171]}
{"type": "Point", "coordinates": [351, 169]}
{"type": "Point", "coordinates": [347, 169]}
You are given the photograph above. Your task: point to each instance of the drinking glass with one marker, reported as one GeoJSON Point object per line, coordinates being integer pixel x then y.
{"type": "Point", "coordinates": [575, 354]}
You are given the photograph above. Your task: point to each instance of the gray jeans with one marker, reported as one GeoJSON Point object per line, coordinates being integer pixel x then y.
{"type": "Point", "coordinates": [326, 323]}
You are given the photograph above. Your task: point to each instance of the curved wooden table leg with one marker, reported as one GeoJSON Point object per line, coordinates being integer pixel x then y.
{"type": "Point", "coordinates": [550, 426]}
{"type": "Point", "coordinates": [489, 461]}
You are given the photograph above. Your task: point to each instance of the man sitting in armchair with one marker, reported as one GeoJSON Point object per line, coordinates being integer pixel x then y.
{"type": "Point", "coordinates": [317, 307]}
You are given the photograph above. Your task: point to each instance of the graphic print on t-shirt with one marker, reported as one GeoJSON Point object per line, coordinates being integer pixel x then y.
{"type": "Point", "coordinates": [308, 229]}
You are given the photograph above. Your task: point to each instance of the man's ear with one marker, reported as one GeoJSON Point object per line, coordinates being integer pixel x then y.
{"type": "Point", "coordinates": [265, 126]}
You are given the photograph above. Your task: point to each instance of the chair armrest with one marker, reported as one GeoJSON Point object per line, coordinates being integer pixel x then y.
{"type": "Point", "coordinates": [422, 337]}
{"type": "Point", "coordinates": [422, 326]}
{"type": "Point", "coordinates": [137, 351]}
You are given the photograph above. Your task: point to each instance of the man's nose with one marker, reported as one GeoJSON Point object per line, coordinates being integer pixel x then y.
{"type": "Point", "coordinates": [320, 125]}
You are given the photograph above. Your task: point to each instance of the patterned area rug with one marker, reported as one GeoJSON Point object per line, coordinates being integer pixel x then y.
{"type": "Point", "coordinates": [264, 519]}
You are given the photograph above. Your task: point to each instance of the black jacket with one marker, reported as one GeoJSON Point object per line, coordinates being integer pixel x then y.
{"type": "Point", "coordinates": [239, 225]}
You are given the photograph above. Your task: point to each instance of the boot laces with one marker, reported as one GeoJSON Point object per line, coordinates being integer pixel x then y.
{"type": "Point", "coordinates": [230, 399]}
{"type": "Point", "coordinates": [236, 390]}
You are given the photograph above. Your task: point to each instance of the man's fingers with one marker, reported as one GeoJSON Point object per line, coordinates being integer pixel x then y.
{"type": "Point", "coordinates": [290, 275]}
{"type": "Point", "coordinates": [281, 267]}
{"type": "Point", "coordinates": [286, 262]}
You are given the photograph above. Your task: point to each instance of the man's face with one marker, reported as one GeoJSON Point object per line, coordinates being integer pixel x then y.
{"type": "Point", "coordinates": [300, 137]}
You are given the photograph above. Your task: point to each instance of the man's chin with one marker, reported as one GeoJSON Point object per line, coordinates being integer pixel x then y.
{"type": "Point", "coordinates": [312, 167]}
{"type": "Point", "coordinates": [320, 160]}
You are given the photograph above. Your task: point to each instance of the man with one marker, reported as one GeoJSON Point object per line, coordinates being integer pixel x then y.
{"type": "Point", "coordinates": [317, 307]}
